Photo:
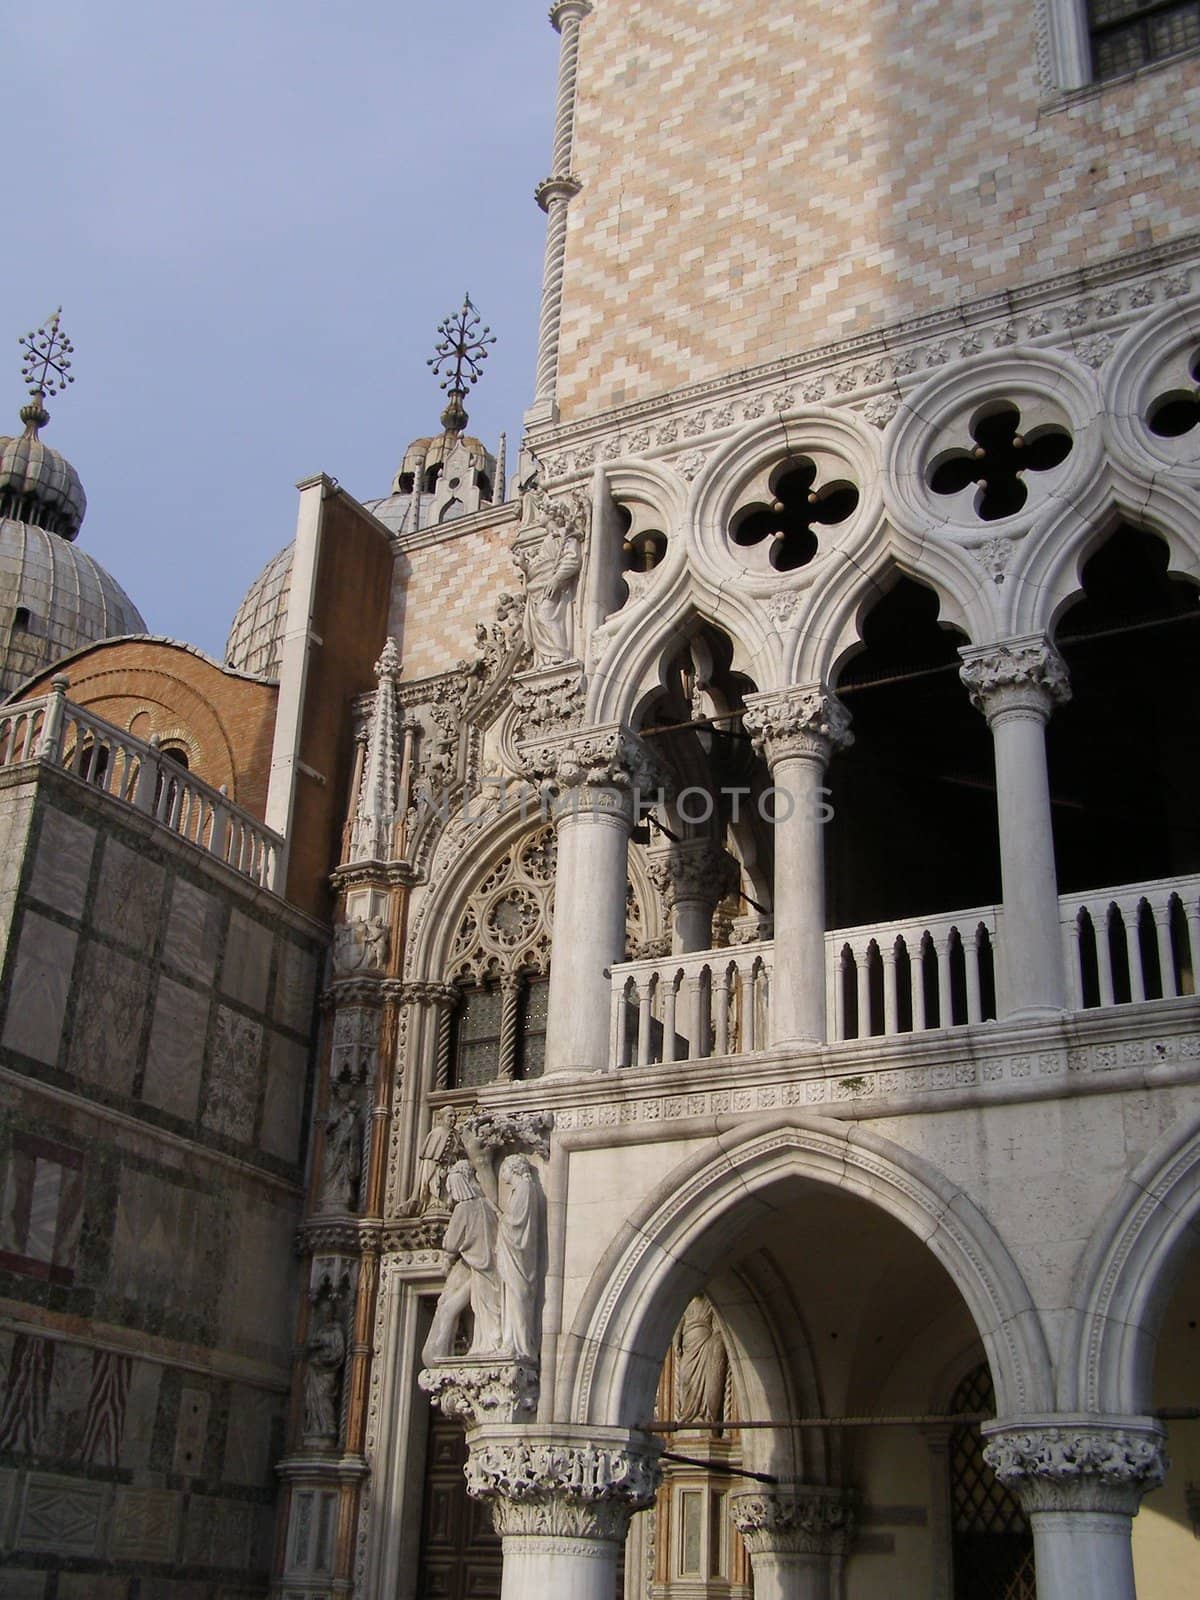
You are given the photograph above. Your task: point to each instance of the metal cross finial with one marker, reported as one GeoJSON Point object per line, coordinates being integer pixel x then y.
{"type": "Point", "coordinates": [457, 360]}
{"type": "Point", "coordinates": [45, 366]}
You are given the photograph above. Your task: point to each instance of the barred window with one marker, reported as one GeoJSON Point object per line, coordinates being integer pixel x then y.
{"type": "Point", "coordinates": [500, 1031]}
{"type": "Point", "coordinates": [1127, 34]}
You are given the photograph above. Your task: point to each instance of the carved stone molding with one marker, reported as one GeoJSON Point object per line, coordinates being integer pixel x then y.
{"type": "Point", "coordinates": [806, 1519]}
{"type": "Point", "coordinates": [694, 869]}
{"type": "Point", "coordinates": [422, 993]}
{"type": "Point", "coordinates": [573, 1489]}
{"type": "Point", "coordinates": [807, 721]}
{"type": "Point", "coordinates": [482, 1391]}
{"type": "Point", "coordinates": [1023, 675]}
{"type": "Point", "coordinates": [1078, 1463]}
{"type": "Point", "coordinates": [548, 701]}
{"type": "Point", "coordinates": [416, 1234]}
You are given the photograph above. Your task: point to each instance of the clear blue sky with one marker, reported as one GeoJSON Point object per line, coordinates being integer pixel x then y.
{"type": "Point", "coordinates": [254, 215]}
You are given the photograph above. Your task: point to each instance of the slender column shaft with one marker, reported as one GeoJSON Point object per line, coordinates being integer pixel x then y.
{"type": "Point", "coordinates": [780, 1575]}
{"type": "Point", "coordinates": [1016, 685]}
{"type": "Point", "coordinates": [1081, 1553]}
{"type": "Point", "coordinates": [536, 1568]}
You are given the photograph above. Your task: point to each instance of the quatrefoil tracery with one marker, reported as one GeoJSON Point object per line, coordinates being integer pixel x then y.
{"type": "Point", "coordinates": [997, 464]}
{"type": "Point", "coordinates": [790, 524]}
{"type": "Point", "coordinates": [1177, 411]}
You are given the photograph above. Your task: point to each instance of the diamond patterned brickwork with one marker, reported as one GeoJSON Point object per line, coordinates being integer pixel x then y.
{"type": "Point", "coordinates": [442, 589]}
{"type": "Point", "coordinates": [760, 179]}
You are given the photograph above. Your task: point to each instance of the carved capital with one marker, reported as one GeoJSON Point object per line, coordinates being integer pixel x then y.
{"type": "Point", "coordinates": [1025, 675]}
{"type": "Point", "coordinates": [808, 721]}
{"type": "Point", "coordinates": [429, 994]}
{"type": "Point", "coordinates": [579, 766]}
{"type": "Point", "coordinates": [807, 1519]}
{"type": "Point", "coordinates": [562, 186]}
{"type": "Point", "coordinates": [1078, 1463]}
{"type": "Point", "coordinates": [479, 1392]}
{"type": "Point", "coordinates": [694, 869]}
{"type": "Point", "coordinates": [546, 1486]}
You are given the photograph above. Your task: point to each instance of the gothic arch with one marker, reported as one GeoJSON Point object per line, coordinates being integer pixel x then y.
{"type": "Point", "coordinates": [670, 1245]}
{"type": "Point", "coordinates": [1126, 1276]}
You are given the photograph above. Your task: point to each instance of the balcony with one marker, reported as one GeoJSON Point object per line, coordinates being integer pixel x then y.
{"type": "Point", "coordinates": [1121, 946]}
{"type": "Point", "coordinates": [54, 731]}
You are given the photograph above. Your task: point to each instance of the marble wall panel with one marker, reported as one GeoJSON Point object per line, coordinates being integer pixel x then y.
{"type": "Point", "coordinates": [110, 1008]}
{"type": "Point", "coordinates": [287, 1070]}
{"type": "Point", "coordinates": [257, 1302]}
{"type": "Point", "coordinates": [169, 1249]}
{"type": "Point", "coordinates": [181, 1589]}
{"type": "Point", "coordinates": [90, 1586]}
{"type": "Point", "coordinates": [22, 1583]}
{"type": "Point", "coordinates": [231, 1097]}
{"type": "Point", "coordinates": [191, 1432]}
{"type": "Point", "coordinates": [8, 1499]}
{"type": "Point", "coordinates": [63, 862]}
{"type": "Point", "coordinates": [63, 1515]}
{"type": "Point", "coordinates": [70, 1389]}
{"type": "Point", "coordinates": [175, 1056]}
{"type": "Point", "coordinates": [27, 1394]}
{"type": "Point", "coordinates": [38, 997]}
{"type": "Point", "coordinates": [247, 964]}
{"type": "Point", "coordinates": [294, 986]}
{"type": "Point", "coordinates": [218, 1532]}
{"type": "Point", "coordinates": [249, 1439]}
{"type": "Point", "coordinates": [141, 1411]}
{"type": "Point", "coordinates": [129, 897]}
{"type": "Point", "coordinates": [193, 932]}
{"type": "Point", "coordinates": [145, 1524]}
{"type": "Point", "coordinates": [107, 1402]}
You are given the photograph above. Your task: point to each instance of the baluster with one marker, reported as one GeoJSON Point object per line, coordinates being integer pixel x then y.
{"type": "Point", "coordinates": [1133, 948]}
{"type": "Point", "coordinates": [218, 839]}
{"type": "Point", "coordinates": [1104, 967]}
{"type": "Point", "coordinates": [720, 991]}
{"type": "Point", "coordinates": [1166, 952]}
{"type": "Point", "coordinates": [667, 988]}
{"type": "Point", "coordinates": [616, 1030]}
{"type": "Point", "coordinates": [916, 979]}
{"type": "Point", "coordinates": [945, 990]}
{"type": "Point", "coordinates": [645, 997]}
{"type": "Point", "coordinates": [749, 993]}
{"type": "Point", "coordinates": [891, 1003]}
{"type": "Point", "coordinates": [971, 958]}
{"type": "Point", "coordinates": [695, 1015]}
{"type": "Point", "coordinates": [1191, 913]}
{"type": "Point", "coordinates": [53, 726]}
{"type": "Point", "coordinates": [1073, 959]}
{"type": "Point", "coordinates": [839, 993]}
{"type": "Point", "coordinates": [863, 964]}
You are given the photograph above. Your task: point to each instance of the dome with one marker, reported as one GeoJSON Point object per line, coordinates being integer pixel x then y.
{"type": "Point", "coordinates": [54, 599]}
{"type": "Point", "coordinates": [38, 486]}
{"type": "Point", "coordinates": [432, 452]}
{"type": "Point", "coordinates": [256, 637]}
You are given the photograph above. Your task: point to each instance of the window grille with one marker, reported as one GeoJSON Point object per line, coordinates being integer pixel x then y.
{"type": "Point", "coordinates": [1128, 34]}
{"type": "Point", "coordinates": [992, 1544]}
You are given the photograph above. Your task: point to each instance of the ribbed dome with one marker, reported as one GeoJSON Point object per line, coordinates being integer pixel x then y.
{"type": "Point", "coordinates": [256, 637]}
{"type": "Point", "coordinates": [38, 486]}
{"type": "Point", "coordinates": [53, 599]}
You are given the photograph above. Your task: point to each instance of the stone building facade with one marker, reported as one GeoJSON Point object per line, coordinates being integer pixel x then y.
{"type": "Point", "coordinates": [752, 1134]}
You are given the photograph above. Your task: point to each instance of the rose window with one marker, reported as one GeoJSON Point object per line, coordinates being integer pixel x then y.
{"type": "Point", "coordinates": [789, 529]}
{"type": "Point", "coordinates": [1177, 412]}
{"type": "Point", "coordinates": [512, 918]}
{"type": "Point", "coordinates": [997, 464]}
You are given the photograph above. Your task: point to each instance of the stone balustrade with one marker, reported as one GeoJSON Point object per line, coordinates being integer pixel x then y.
{"type": "Point", "coordinates": [52, 729]}
{"type": "Point", "coordinates": [1132, 943]}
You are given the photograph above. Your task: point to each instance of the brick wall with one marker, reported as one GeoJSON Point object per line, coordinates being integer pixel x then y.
{"type": "Point", "coordinates": [762, 178]}
{"type": "Point", "coordinates": [442, 589]}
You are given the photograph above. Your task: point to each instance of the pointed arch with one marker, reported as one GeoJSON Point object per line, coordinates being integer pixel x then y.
{"type": "Point", "coordinates": [672, 1243]}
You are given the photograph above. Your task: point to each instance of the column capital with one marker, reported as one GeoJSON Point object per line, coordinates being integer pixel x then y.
{"type": "Point", "coordinates": [424, 993]}
{"type": "Point", "coordinates": [606, 756]}
{"type": "Point", "coordinates": [1024, 674]}
{"type": "Point", "coordinates": [480, 1392]}
{"type": "Point", "coordinates": [693, 869]}
{"type": "Point", "coordinates": [559, 1483]}
{"type": "Point", "coordinates": [1084, 1463]}
{"type": "Point", "coordinates": [802, 1519]}
{"type": "Point", "coordinates": [807, 720]}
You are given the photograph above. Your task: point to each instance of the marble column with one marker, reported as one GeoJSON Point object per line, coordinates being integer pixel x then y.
{"type": "Point", "coordinates": [693, 877]}
{"type": "Point", "coordinates": [796, 1538]}
{"type": "Point", "coordinates": [594, 776]}
{"type": "Point", "coordinates": [798, 730]}
{"type": "Point", "coordinates": [561, 1504]}
{"type": "Point", "coordinates": [1017, 684]}
{"type": "Point", "coordinates": [1079, 1481]}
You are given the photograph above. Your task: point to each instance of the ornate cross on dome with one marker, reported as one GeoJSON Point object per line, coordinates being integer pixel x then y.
{"type": "Point", "coordinates": [458, 358]}
{"type": "Point", "coordinates": [45, 368]}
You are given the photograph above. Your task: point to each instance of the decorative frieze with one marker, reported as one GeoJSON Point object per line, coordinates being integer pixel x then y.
{"type": "Point", "coordinates": [809, 721]}
{"type": "Point", "coordinates": [1078, 1464]}
{"type": "Point", "coordinates": [801, 1520]}
{"type": "Point", "coordinates": [585, 1490]}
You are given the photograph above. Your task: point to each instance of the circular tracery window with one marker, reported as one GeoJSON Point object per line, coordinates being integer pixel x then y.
{"type": "Point", "coordinates": [787, 531]}
{"type": "Point", "coordinates": [1176, 412]}
{"type": "Point", "coordinates": [997, 463]}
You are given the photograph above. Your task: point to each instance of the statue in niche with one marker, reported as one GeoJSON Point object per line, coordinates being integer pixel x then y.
{"type": "Point", "coordinates": [325, 1350]}
{"type": "Point", "coordinates": [432, 1165]}
{"type": "Point", "coordinates": [342, 1159]}
{"type": "Point", "coordinates": [551, 569]}
{"type": "Point", "coordinates": [493, 1240]}
{"type": "Point", "coordinates": [701, 1366]}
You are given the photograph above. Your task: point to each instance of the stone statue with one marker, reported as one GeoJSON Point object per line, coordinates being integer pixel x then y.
{"type": "Point", "coordinates": [517, 1256]}
{"type": "Point", "coordinates": [701, 1365]}
{"type": "Point", "coordinates": [472, 1279]}
{"type": "Point", "coordinates": [432, 1161]}
{"type": "Point", "coordinates": [326, 1352]}
{"type": "Point", "coordinates": [551, 572]}
{"type": "Point", "coordinates": [376, 938]}
{"type": "Point", "coordinates": [342, 1161]}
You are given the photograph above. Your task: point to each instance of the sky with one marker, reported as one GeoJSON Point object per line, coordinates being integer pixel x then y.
{"type": "Point", "coordinates": [254, 214]}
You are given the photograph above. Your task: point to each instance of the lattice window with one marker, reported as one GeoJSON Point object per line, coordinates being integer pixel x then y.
{"type": "Point", "coordinates": [531, 1040]}
{"type": "Point", "coordinates": [1128, 34]}
{"type": "Point", "coordinates": [993, 1547]}
{"type": "Point", "coordinates": [477, 1037]}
